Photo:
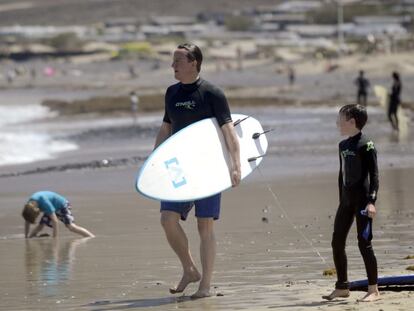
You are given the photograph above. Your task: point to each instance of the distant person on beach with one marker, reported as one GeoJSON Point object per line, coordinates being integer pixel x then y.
{"type": "Point", "coordinates": [362, 84]}
{"type": "Point", "coordinates": [394, 100]}
{"type": "Point", "coordinates": [132, 72]}
{"type": "Point", "coordinates": [134, 100]}
{"type": "Point", "coordinates": [358, 187]}
{"type": "Point", "coordinates": [54, 207]}
{"type": "Point", "coordinates": [11, 75]}
{"type": "Point", "coordinates": [291, 75]}
{"type": "Point", "coordinates": [190, 100]}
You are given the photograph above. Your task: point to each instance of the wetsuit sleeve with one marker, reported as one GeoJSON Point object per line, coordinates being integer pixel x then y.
{"type": "Point", "coordinates": [220, 106]}
{"type": "Point", "coordinates": [370, 159]}
{"type": "Point", "coordinates": [340, 179]}
{"type": "Point", "coordinates": [166, 118]}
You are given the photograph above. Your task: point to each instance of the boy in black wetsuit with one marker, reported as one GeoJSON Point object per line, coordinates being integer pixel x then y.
{"type": "Point", "coordinates": [358, 186]}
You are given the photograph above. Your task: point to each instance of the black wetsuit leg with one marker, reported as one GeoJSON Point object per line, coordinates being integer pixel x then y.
{"type": "Point", "coordinates": [350, 206]}
{"type": "Point", "coordinates": [343, 222]}
{"type": "Point", "coordinates": [364, 229]}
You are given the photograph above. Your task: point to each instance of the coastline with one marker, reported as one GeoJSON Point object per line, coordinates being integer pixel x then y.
{"type": "Point", "coordinates": [262, 262]}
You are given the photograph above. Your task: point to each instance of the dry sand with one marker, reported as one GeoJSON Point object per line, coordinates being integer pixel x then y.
{"type": "Point", "coordinates": [260, 265]}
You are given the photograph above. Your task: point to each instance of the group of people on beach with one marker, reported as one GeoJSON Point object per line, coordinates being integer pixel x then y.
{"type": "Point", "coordinates": [394, 98]}
{"type": "Point", "coordinates": [357, 181]}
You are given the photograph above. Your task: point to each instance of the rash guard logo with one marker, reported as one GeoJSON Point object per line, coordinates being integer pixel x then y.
{"type": "Point", "coordinates": [347, 153]}
{"type": "Point", "coordinates": [190, 104]}
{"type": "Point", "coordinates": [370, 145]}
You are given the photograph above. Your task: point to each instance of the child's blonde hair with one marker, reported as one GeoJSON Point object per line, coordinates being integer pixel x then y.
{"type": "Point", "coordinates": [30, 211]}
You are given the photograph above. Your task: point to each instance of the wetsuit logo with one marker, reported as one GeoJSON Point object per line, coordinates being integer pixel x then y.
{"type": "Point", "coordinates": [347, 152]}
{"type": "Point", "coordinates": [190, 104]}
{"type": "Point", "coordinates": [370, 145]}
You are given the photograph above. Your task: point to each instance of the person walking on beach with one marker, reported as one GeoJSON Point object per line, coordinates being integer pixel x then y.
{"type": "Point", "coordinates": [358, 187]}
{"type": "Point", "coordinates": [394, 100]}
{"type": "Point", "coordinates": [291, 75]}
{"type": "Point", "coordinates": [134, 100]}
{"type": "Point", "coordinates": [362, 84]}
{"type": "Point", "coordinates": [54, 207]}
{"type": "Point", "coordinates": [190, 100]}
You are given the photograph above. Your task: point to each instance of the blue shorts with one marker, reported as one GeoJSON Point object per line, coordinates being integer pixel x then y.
{"type": "Point", "coordinates": [204, 208]}
{"type": "Point", "coordinates": [64, 214]}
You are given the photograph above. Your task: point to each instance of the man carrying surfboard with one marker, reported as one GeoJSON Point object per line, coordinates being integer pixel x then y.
{"type": "Point", "coordinates": [190, 100]}
{"type": "Point", "coordinates": [358, 187]}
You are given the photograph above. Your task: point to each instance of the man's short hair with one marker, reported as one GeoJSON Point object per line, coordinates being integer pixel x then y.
{"type": "Point", "coordinates": [193, 53]}
{"type": "Point", "coordinates": [30, 212]}
{"type": "Point", "coordinates": [356, 112]}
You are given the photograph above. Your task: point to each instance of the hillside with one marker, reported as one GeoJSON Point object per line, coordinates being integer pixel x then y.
{"type": "Point", "coordinates": [83, 12]}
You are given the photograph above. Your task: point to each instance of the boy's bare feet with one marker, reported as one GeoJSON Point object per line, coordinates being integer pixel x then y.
{"type": "Point", "coordinates": [337, 293]}
{"type": "Point", "coordinates": [372, 294]}
{"type": "Point", "coordinates": [187, 278]}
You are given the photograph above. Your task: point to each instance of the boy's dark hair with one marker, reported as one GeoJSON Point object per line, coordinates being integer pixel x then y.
{"type": "Point", "coordinates": [30, 212]}
{"type": "Point", "coordinates": [356, 112]}
{"type": "Point", "coordinates": [194, 53]}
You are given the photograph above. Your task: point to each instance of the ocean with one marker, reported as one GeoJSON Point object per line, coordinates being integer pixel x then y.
{"type": "Point", "coordinates": [22, 140]}
{"type": "Point", "coordinates": [304, 139]}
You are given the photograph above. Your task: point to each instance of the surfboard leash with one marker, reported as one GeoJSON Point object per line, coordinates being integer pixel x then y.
{"type": "Point", "coordinates": [285, 214]}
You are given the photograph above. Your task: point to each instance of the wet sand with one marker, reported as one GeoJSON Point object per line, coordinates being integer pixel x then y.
{"type": "Point", "coordinates": [262, 262]}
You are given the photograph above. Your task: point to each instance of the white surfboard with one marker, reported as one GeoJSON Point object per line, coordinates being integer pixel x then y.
{"type": "Point", "coordinates": [194, 162]}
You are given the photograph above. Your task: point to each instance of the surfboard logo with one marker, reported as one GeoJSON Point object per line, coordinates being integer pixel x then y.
{"type": "Point", "coordinates": [175, 172]}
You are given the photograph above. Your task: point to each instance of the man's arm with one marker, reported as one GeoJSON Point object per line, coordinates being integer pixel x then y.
{"type": "Point", "coordinates": [54, 220]}
{"type": "Point", "coordinates": [163, 133]}
{"type": "Point", "coordinates": [232, 143]}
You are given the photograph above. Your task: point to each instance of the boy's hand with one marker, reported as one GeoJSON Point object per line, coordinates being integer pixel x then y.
{"type": "Point", "coordinates": [371, 210]}
{"type": "Point", "coordinates": [26, 229]}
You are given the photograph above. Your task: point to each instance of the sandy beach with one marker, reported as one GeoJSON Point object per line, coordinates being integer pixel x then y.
{"type": "Point", "coordinates": [262, 262]}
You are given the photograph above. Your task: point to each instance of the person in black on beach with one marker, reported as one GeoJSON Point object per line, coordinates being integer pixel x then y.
{"type": "Point", "coordinates": [358, 187]}
{"type": "Point", "coordinates": [394, 100]}
{"type": "Point", "coordinates": [362, 84]}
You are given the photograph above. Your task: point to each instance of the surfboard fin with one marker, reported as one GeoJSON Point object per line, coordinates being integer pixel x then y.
{"type": "Point", "coordinates": [237, 122]}
{"type": "Point", "coordinates": [257, 135]}
{"type": "Point", "coordinates": [255, 158]}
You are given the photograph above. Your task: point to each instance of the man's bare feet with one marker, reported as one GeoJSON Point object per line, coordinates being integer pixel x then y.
{"type": "Point", "coordinates": [187, 278]}
{"type": "Point", "coordinates": [337, 293]}
{"type": "Point", "coordinates": [372, 294]}
{"type": "Point", "coordinates": [201, 294]}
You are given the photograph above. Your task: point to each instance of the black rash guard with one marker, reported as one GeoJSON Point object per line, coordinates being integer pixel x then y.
{"type": "Point", "coordinates": [358, 166]}
{"type": "Point", "coordinates": [358, 186]}
{"type": "Point", "coordinates": [189, 103]}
